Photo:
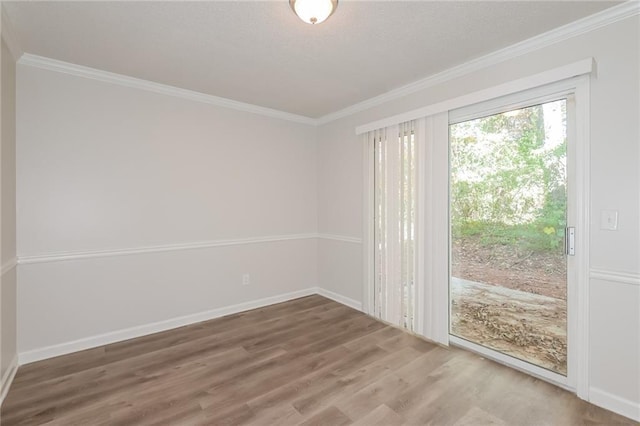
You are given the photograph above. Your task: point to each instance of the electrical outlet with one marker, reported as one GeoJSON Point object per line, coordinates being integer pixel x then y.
{"type": "Point", "coordinates": [246, 279]}
{"type": "Point", "coordinates": [609, 220]}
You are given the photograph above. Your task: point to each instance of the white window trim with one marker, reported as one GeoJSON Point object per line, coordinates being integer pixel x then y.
{"type": "Point", "coordinates": [583, 213]}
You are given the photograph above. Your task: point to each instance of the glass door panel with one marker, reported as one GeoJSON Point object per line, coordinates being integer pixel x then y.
{"type": "Point", "coordinates": [508, 287]}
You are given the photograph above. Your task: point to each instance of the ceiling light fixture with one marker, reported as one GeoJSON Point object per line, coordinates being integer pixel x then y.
{"type": "Point", "coordinates": [313, 11]}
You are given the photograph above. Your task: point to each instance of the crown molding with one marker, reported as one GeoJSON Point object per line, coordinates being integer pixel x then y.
{"type": "Point", "coordinates": [584, 25]}
{"type": "Point", "coordinates": [137, 83]}
{"type": "Point", "coordinates": [9, 35]}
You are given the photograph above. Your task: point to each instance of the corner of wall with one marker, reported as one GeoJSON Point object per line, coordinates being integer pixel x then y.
{"type": "Point", "coordinates": [9, 52]}
{"type": "Point", "coordinates": [9, 35]}
{"type": "Point", "coordinates": [7, 378]}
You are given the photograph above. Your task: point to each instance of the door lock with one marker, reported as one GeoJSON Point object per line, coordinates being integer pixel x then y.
{"type": "Point", "coordinates": [570, 240]}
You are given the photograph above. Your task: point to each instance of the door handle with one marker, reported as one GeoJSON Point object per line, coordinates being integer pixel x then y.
{"type": "Point", "coordinates": [570, 240]}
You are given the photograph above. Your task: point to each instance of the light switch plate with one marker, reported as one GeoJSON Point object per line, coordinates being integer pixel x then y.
{"type": "Point", "coordinates": [609, 220]}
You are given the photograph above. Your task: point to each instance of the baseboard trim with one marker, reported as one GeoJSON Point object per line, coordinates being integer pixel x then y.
{"type": "Point", "coordinates": [7, 378]}
{"type": "Point", "coordinates": [143, 330]}
{"type": "Point", "coordinates": [339, 298]}
{"type": "Point", "coordinates": [614, 403]}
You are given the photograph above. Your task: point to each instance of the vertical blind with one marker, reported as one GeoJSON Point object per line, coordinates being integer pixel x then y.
{"type": "Point", "coordinates": [399, 289]}
{"type": "Point", "coordinates": [395, 183]}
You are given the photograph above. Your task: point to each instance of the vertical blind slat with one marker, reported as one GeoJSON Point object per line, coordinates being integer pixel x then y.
{"type": "Point", "coordinates": [394, 210]}
{"type": "Point", "coordinates": [402, 223]}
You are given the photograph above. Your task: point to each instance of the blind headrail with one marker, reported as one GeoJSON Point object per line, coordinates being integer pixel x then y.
{"type": "Point", "coordinates": [575, 69]}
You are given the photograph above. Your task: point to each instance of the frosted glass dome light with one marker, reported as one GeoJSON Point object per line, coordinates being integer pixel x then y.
{"type": "Point", "coordinates": [313, 11]}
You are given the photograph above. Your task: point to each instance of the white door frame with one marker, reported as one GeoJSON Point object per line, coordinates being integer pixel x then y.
{"type": "Point", "coordinates": [577, 92]}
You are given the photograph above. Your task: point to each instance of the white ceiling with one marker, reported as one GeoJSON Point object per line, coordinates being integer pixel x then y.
{"type": "Point", "coordinates": [260, 53]}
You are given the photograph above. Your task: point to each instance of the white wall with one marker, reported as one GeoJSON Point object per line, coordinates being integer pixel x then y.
{"type": "Point", "coordinates": [615, 184]}
{"type": "Point", "coordinates": [107, 167]}
{"type": "Point", "coordinates": [8, 348]}
{"type": "Point", "coordinates": [340, 184]}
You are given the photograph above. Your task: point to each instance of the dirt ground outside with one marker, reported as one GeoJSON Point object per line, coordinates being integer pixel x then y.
{"type": "Point", "coordinates": [511, 301]}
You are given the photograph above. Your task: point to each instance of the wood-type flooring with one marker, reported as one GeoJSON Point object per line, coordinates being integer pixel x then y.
{"type": "Point", "coordinates": [309, 361]}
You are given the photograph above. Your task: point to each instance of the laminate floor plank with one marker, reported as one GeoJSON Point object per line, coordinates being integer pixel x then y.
{"type": "Point", "coordinates": [426, 388]}
{"type": "Point", "coordinates": [308, 361]}
{"type": "Point", "coordinates": [310, 387]}
{"type": "Point", "coordinates": [476, 416]}
{"type": "Point", "coordinates": [331, 416]}
{"type": "Point", "coordinates": [380, 416]}
{"type": "Point", "coordinates": [293, 338]}
{"type": "Point", "coordinates": [372, 397]}
{"type": "Point", "coordinates": [405, 339]}
{"type": "Point", "coordinates": [452, 394]}
{"type": "Point", "coordinates": [187, 383]}
{"type": "Point", "coordinates": [375, 338]}
{"type": "Point", "coordinates": [120, 378]}
{"type": "Point", "coordinates": [280, 414]}
{"type": "Point", "coordinates": [341, 385]}
{"type": "Point", "coordinates": [263, 379]}
{"type": "Point", "coordinates": [309, 383]}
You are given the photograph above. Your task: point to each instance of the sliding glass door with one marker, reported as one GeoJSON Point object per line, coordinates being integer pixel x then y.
{"type": "Point", "coordinates": [508, 215]}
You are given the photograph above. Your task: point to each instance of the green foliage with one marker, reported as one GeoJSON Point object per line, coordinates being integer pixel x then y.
{"type": "Point", "coordinates": [525, 237]}
{"type": "Point", "coordinates": [508, 178]}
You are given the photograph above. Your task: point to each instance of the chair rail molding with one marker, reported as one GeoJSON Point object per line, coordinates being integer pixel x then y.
{"type": "Point", "coordinates": [8, 265]}
{"type": "Point", "coordinates": [77, 255]}
{"type": "Point", "coordinates": [89, 254]}
{"type": "Point", "coordinates": [343, 238]}
{"type": "Point", "coordinates": [632, 278]}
